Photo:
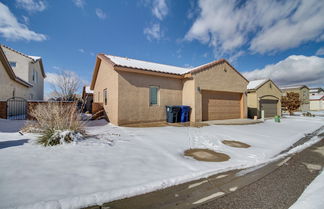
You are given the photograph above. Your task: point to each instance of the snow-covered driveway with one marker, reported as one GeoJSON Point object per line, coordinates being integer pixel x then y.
{"type": "Point", "coordinates": [118, 162]}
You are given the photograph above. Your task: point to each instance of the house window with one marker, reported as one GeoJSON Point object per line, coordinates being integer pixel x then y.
{"type": "Point", "coordinates": [105, 96]}
{"type": "Point", "coordinates": [31, 96]}
{"type": "Point", "coordinates": [35, 76]}
{"type": "Point", "coordinates": [270, 85]}
{"type": "Point", "coordinates": [98, 96]}
{"type": "Point", "coordinates": [12, 64]}
{"type": "Point", "coordinates": [154, 90]}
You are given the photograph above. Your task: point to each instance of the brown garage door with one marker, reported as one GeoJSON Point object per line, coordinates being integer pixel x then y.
{"type": "Point", "coordinates": [269, 107]}
{"type": "Point", "coordinates": [220, 105]}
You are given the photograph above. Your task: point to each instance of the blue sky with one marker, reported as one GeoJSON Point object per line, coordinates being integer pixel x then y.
{"type": "Point", "coordinates": [262, 39]}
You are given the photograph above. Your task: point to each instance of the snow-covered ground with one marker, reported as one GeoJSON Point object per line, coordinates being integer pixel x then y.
{"type": "Point", "coordinates": [312, 197]}
{"type": "Point", "coordinates": [117, 162]}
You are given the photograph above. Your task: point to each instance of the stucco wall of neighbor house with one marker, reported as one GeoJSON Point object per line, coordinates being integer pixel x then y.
{"type": "Point", "coordinates": [37, 91]}
{"type": "Point", "coordinates": [265, 92]}
{"type": "Point", "coordinates": [188, 97]}
{"type": "Point", "coordinates": [7, 86]}
{"type": "Point", "coordinates": [134, 97]}
{"type": "Point", "coordinates": [107, 78]}
{"type": "Point", "coordinates": [222, 78]}
{"type": "Point", "coordinates": [303, 96]}
{"type": "Point", "coordinates": [22, 63]}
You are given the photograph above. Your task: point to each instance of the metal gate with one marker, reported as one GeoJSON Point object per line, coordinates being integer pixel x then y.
{"type": "Point", "coordinates": [17, 108]}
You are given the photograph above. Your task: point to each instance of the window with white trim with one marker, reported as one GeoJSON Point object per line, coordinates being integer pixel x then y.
{"type": "Point", "coordinates": [154, 94]}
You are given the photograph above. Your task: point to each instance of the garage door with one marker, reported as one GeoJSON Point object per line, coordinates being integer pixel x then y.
{"type": "Point", "coordinates": [220, 105]}
{"type": "Point", "coordinates": [269, 107]}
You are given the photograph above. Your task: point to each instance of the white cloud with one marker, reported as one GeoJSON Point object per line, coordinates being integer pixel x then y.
{"type": "Point", "coordinates": [25, 19]}
{"type": "Point", "coordinates": [320, 51]}
{"type": "Point", "coordinates": [160, 9]}
{"type": "Point", "coordinates": [81, 50]}
{"type": "Point", "coordinates": [11, 29]}
{"type": "Point", "coordinates": [101, 14]}
{"type": "Point", "coordinates": [294, 70]}
{"type": "Point", "coordinates": [79, 3]}
{"type": "Point", "coordinates": [31, 5]}
{"type": "Point", "coordinates": [263, 26]}
{"type": "Point", "coordinates": [153, 32]}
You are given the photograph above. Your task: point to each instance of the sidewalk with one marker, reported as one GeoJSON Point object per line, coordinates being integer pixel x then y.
{"type": "Point", "coordinates": [232, 184]}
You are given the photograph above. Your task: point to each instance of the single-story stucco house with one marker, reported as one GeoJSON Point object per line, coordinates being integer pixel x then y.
{"type": "Point", "coordinates": [21, 75]}
{"type": "Point", "coordinates": [134, 91]}
{"type": "Point", "coordinates": [263, 95]}
{"type": "Point", "coordinates": [303, 92]}
{"type": "Point", "coordinates": [316, 99]}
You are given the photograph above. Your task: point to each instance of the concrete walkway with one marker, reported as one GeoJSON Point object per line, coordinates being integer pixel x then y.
{"type": "Point", "coordinates": [244, 121]}
{"type": "Point", "coordinates": [257, 187]}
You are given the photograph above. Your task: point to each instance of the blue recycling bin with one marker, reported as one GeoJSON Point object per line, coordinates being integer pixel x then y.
{"type": "Point", "coordinates": [184, 113]}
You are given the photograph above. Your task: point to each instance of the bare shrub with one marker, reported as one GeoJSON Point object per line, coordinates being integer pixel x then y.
{"type": "Point", "coordinates": [65, 86]}
{"type": "Point", "coordinates": [58, 123]}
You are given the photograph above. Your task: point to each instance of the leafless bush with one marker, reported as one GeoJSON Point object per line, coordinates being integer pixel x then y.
{"type": "Point", "coordinates": [58, 123]}
{"type": "Point", "coordinates": [66, 85]}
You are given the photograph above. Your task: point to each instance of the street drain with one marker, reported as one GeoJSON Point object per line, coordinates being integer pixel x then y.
{"type": "Point", "coordinates": [236, 144]}
{"type": "Point", "coordinates": [206, 155]}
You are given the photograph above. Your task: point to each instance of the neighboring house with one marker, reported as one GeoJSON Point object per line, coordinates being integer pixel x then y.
{"type": "Point", "coordinates": [28, 69]}
{"type": "Point", "coordinates": [303, 92]}
{"type": "Point", "coordinates": [263, 95]}
{"type": "Point", "coordinates": [87, 97]}
{"type": "Point", "coordinates": [10, 84]}
{"type": "Point", "coordinates": [316, 99]}
{"type": "Point", "coordinates": [133, 91]}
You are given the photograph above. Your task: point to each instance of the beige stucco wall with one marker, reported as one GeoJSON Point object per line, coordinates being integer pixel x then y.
{"type": "Point", "coordinates": [107, 78]}
{"type": "Point", "coordinates": [7, 86]}
{"type": "Point", "coordinates": [22, 63]}
{"type": "Point", "coordinates": [37, 91]}
{"type": "Point", "coordinates": [24, 70]}
{"type": "Point", "coordinates": [219, 78]}
{"type": "Point", "coordinates": [264, 92]}
{"type": "Point", "coordinates": [252, 100]}
{"type": "Point", "coordinates": [188, 96]}
{"type": "Point", "coordinates": [133, 97]}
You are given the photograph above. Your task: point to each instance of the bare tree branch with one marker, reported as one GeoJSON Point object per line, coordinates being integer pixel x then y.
{"type": "Point", "coordinates": [66, 85]}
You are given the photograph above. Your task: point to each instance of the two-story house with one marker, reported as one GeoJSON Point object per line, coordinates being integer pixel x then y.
{"type": "Point", "coordinates": [303, 92]}
{"type": "Point", "coordinates": [21, 68]}
{"type": "Point", "coordinates": [316, 99]}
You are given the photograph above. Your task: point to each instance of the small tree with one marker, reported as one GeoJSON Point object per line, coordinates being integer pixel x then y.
{"type": "Point", "coordinates": [65, 86]}
{"type": "Point", "coordinates": [291, 102]}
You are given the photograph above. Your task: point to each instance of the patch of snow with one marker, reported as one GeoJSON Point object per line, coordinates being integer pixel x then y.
{"type": "Point", "coordinates": [256, 83]}
{"type": "Point", "coordinates": [11, 125]}
{"type": "Point", "coordinates": [119, 162]}
{"type": "Point", "coordinates": [312, 197]}
{"type": "Point", "coordinates": [35, 58]}
{"type": "Point", "coordinates": [88, 90]}
{"type": "Point", "coordinates": [144, 65]}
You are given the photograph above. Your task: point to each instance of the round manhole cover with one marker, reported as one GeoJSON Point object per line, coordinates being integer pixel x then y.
{"type": "Point", "coordinates": [206, 155]}
{"type": "Point", "coordinates": [236, 144]}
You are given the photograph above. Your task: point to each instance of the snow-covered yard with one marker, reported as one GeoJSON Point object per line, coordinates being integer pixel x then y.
{"type": "Point", "coordinates": [116, 162]}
